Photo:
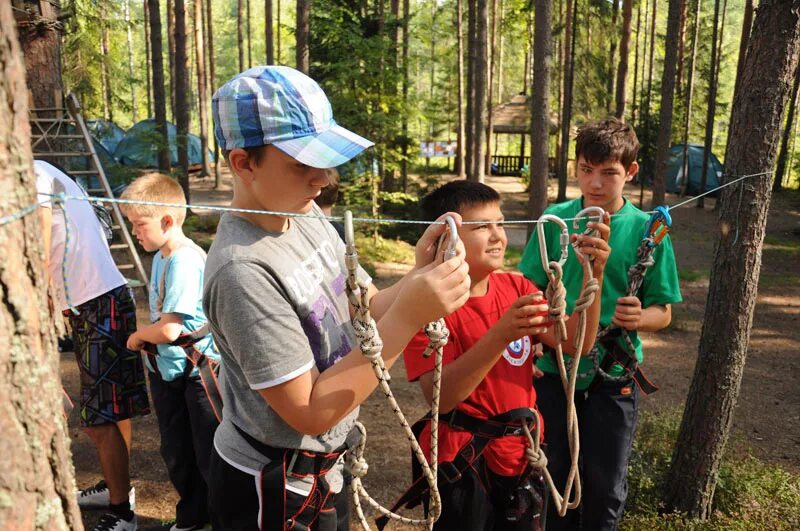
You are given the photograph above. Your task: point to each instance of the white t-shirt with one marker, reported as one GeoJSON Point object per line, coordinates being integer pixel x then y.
{"type": "Point", "coordinates": [90, 268]}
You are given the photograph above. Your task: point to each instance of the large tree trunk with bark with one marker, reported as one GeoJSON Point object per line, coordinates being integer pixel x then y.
{"type": "Point", "coordinates": [202, 86]}
{"type": "Point", "coordinates": [159, 96]}
{"type": "Point", "coordinates": [758, 109]}
{"type": "Point", "coordinates": [301, 35]}
{"type": "Point", "coordinates": [783, 155]}
{"type": "Point", "coordinates": [566, 113]}
{"type": "Point", "coordinates": [667, 97]}
{"type": "Point", "coordinates": [481, 82]}
{"type": "Point", "coordinates": [181, 93]}
{"type": "Point", "coordinates": [622, 71]}
{"type": "Point", "coordinates": [540, 110]}
{"type": "Point", "coordinates": [469, 117]}
{"type": "Point", "coordinates": [37, 484]}
{"type": "Point", "coordinates": [41, 45]}
{"type": "Point", "coordinates": [460, 162]}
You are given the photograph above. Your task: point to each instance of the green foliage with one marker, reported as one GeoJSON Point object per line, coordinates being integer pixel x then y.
{"type": "Point", "coordinates": [750, 494]}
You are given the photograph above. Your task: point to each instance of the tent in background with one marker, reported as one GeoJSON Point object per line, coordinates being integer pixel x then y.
{"type": "Point", "coordinates": [139, 147]}
{"type": "Point", "coordinates": [675, 170]}
{"type": "Point", "coordinates": [108, 133]}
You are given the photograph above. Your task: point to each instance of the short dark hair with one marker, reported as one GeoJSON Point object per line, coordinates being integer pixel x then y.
{"type": "Point", "coordinates": [607, 140]}
{"type": "Point", "coordinates": [455, 196]}
{"type": "Point", "coordinates": [330, 194]}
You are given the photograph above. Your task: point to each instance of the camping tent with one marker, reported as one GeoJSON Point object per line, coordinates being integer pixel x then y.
{"type": "Point", "coordinates": [108, 133]}
{"type": "Point", "coordinates": [675, 170]}
{"type": "Point", "coordinates": [139, 148]}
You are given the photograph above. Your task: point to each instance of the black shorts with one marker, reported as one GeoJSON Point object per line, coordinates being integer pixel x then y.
{"type": "Point", "coordinates": [112, 377]}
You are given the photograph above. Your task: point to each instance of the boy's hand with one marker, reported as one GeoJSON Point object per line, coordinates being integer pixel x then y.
{"type": "Point", "coordinates": [628, 313]}
{"type": "Point", "coordinates": [135, 343]}
{"type": "Point", "coordinates": [523, 318]}
{"type": "Point", "coordinates": [427, 245]}
{"type": "Point", "coordinates": [435, 290]}
{"type": "Point", "coordinates": [595, 247]}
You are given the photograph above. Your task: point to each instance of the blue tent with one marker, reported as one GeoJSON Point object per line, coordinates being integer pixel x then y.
{"type": "Point", "coordinates": [108, 133]}
{"type": "Point", "coordinates": [139, 147]}
{"type": "Point", "coordinates": [675, 170]}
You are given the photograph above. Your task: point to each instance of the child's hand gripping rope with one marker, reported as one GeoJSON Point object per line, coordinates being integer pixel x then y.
{"type": "Point", "coordinates": [371, 345]}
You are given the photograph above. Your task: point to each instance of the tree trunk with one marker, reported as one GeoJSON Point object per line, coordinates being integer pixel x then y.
{"type": "Point", "coordinates": [212, 81]}
{"type": "Point", "coordinates": [268, 31]}
{"type": "Point", "coordinates": [202, 87]}
{"type": "Point", "coordinates": [147, 59]}
{"type": "Point", "coordinates": [622, 71]}
{"type": "Point", "coordinates": [712, 107]}
{"type": "Point", "coordinates": [460, 166]}
{"type": "Point", "coordinates": [181, 92]}
{"type": "Point", "coordinates": [239, 35]}
{"type": "Point", "coordinates": [127, 14]}
{"type": "Point", "coordinates": [249, 39]}
{"type": "Point", "coordinates": [787, 133]}
{"type": "Point", "coordinates": [755, 123]}
{"type": "Point", "coordinates": [689, 92]}
{"type": "Point", "coordinates": [681, 44]}
{"type": "Point", "coordinates": [500, 53]}
{"type": "Point", "coordinates": [278, 32]}
{"type": "Point", "coordinates": [171, 56]}
{"type": "Point", "coordinates": [108, 111]}
{"type": "Point", "coordinates": [159, 97]}
{"type": "Point", "coordinates": [301, 35]}
{"type": "Point", "coordinates": [635, 87]}
{"type": "Point", "coordinates": [404, 119]}
{"type": "Point", "coordinates": [652, 61]}
{"type": "Point", "coordinates": [36, 480]}
{"type": "Point", "coordinates": [612, 54]}
{"type": "Point", "coordinates": [667, 97]}
{"type": "Point", "coordinates": [481, 82]}
{"type": "Point", "coordinates": [42, 50]}
{"type": "Point", "coordinates": [491, 96]}
{"type": "Point", "coordinates": [566, 115]}
{"type": "Point", "coordinates": [540, 111]}
{"type": "Point", "coordinates": [469, 154]}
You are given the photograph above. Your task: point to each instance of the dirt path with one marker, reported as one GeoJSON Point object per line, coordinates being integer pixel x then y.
{"type": "Point", "coordinates": [768, 411]}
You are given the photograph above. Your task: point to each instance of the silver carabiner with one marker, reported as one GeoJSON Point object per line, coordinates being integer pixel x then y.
{"type": "Point", "coordinates": [588, 212]}
{"type": "Point", "coordinates": [350, 253]}
{"type": "Point", "coordinates": [451, 251]}
{"type": "Point", "coordinates": [563, 240]}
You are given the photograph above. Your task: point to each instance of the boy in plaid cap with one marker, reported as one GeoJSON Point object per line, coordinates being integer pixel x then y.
{"type": "Point", "coordinates": [293, 377]}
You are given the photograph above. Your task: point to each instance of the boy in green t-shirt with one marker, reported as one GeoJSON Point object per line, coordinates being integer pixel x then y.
{"type": "Point", "coordinates": [605, 152]}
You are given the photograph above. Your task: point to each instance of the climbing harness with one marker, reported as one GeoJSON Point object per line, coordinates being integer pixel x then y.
{"type": "Point", "coordinates": [655, 230]}
{"type": "Point", "coordinates": [556, 301]}
{"type": "Point", "coordinates": [371, 346]}
{"type": "Point", "coordinates": [207, 368]}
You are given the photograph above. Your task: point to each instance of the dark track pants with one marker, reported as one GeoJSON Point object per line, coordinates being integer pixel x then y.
{"type": "Point", "coordinates": [607, 418]}
{"type": "Point", "coordinates": [187, 424]}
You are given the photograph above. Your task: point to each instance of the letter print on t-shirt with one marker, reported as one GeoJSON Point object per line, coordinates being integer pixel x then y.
{"type": "Point", "coordinates": [518, 351]}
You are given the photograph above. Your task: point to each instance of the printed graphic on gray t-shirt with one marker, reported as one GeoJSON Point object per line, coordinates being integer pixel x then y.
{"type": "Point", "coordinates": [277, 306]}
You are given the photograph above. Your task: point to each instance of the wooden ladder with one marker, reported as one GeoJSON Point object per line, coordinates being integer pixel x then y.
{"type": "Point", "coordinates": [57, 137]}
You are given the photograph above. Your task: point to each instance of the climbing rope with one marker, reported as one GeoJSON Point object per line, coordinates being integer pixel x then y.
{"type": "Point", "coordinates": [556, 302]}
{"type": "Point", "coordinates": [371, 346]}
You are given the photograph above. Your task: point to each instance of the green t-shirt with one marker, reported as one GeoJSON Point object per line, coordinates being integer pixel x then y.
{"type": "Point", "coordinates": [627, 228]}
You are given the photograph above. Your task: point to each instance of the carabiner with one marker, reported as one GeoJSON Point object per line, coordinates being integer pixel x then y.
{"type": "Point", "coordinates": [657, 226]}
{"type": "Point", "coordinates": [588, 212]}
{"type": "Point", "coordinates": [350, 253]}
{"type": "Point", "coordinates": [451, 251]}
{"type": "Point", "coordinates": [564, 240]}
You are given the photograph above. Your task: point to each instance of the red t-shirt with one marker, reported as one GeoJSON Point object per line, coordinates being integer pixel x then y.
{"type": "Point", "coordinates": [508, 385]}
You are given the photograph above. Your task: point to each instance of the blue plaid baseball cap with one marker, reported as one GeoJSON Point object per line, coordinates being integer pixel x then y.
{"type": "Point", "coordinates": [282, 106]}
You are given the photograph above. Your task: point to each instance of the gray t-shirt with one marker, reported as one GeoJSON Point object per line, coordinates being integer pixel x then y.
{"type": "Point", "coordinates": [277, 306]}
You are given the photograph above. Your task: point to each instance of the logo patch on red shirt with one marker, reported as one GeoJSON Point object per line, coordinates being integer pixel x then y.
{"type": "Point", "coordinates": [518, 351]}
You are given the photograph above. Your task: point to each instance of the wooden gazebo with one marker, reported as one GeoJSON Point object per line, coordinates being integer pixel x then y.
{"type": "Point", "coordinates": [513, 117]}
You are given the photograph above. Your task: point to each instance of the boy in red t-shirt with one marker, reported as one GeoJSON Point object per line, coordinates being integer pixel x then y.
{"type": "Point", "coordinates": [484, 477]}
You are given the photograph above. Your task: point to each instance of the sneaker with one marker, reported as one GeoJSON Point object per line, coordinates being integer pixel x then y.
{"type": "Point", "coordinates": [172, 525]}
{"type": "Point", "coordinates": [98, 497]}
{"type": "Point", "coordinates": [112, 522]}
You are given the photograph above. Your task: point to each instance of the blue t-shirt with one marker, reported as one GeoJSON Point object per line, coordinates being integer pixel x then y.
{"type": "Point", "coordinates": [183, 289]}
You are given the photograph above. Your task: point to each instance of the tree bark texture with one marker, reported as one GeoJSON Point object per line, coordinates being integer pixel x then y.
{"type": "Point", "coordinates": [758, 109]}
{"type": "Point", "coordinates": [41, 45]}
{"type": "Point", "coordinates": [37, 483]}
{"type": "Point", "coordinates": [783, 154]}
{"type": "Point", "coordinates": [612, 54]}
{"type": "Point", "coordinates": [301, 35]}
{"type": "Point", "coordinates": [159, 96]}
{"type": "Point", "coordinates": [181, 94]}
{"type": "Point", "coordinates": [622, 70]}
{"type": "Point", "coordinates": [540, 110]}
{"type": "Point", "coordinates": [202, 87]}
{"type": "Point", "coordinates": [249, 38]}
{"type": "Point", "coordinates": [460, 162]}
{"type": "Point", "coordinates": [171, 56]}
{"type": "Point", "coordinates": [469, 154]}
{"type": "Point", "coordinates": [240, 34]}
{"type": "Point", "coordinates": [635, 86]}
{"type": "Point", "coordinates": [667, 97]}
{"type": "Point", "coordinates": [566, 113]}
{"type": "Point", "coordinates": [404, 123]}
{"type": "Point", "coordinates": [268, 38]}
{"type": "Point", "coordinates": [481, 82]}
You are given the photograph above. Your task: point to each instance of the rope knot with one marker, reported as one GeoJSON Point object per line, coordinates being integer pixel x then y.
{"type": "Point", "coordinates": [367, 336]}
{"type": "Point", "coordinates": [358, 465]}
{"type": "Point", "coordinates": [438, 334]}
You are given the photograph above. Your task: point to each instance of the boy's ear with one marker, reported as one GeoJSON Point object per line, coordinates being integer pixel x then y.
{"type": "Point", "coordinates": [240, 163]}
{"type": "Point", "coordinates": [633, 169]}
{"type": "Point", "coordinates": [167, 222]}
